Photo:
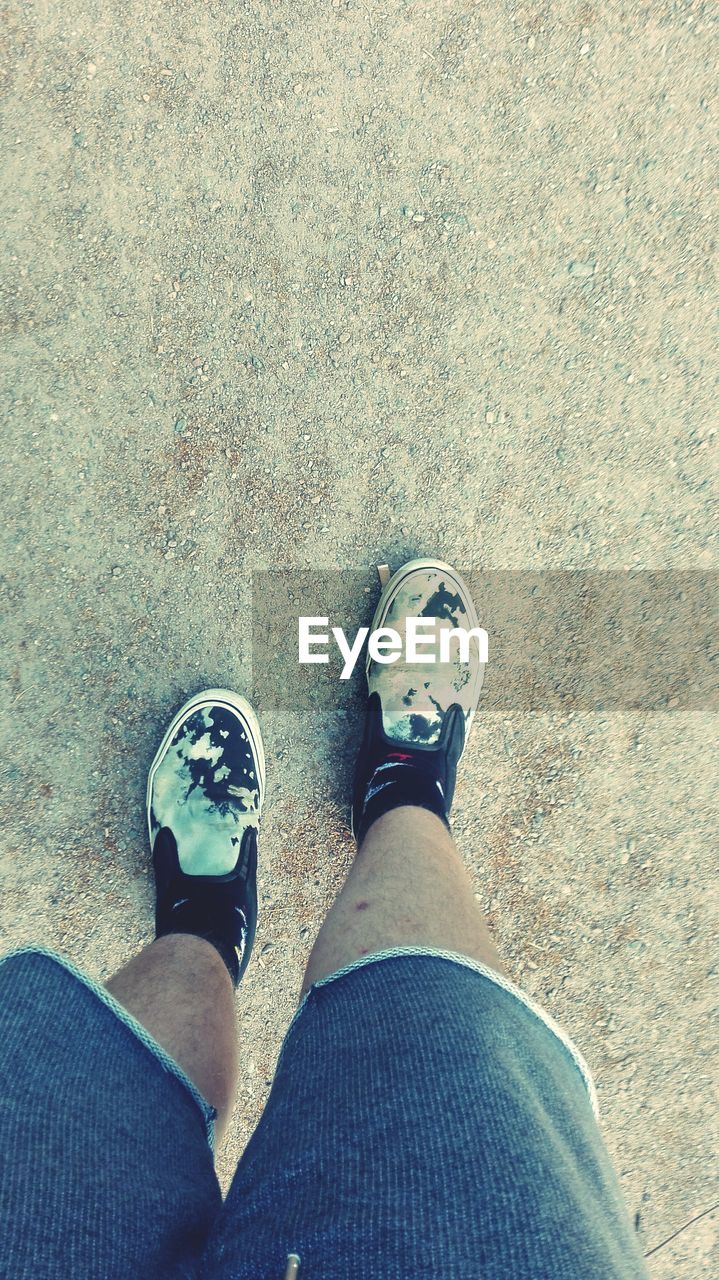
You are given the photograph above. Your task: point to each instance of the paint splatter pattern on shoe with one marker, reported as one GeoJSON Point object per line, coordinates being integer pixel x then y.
{"type": "Point", "coordinates": [206, 790]}
{"type": "Point", "coordinates": [416, 696]}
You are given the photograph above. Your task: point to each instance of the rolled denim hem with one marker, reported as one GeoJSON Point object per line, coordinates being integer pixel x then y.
{"type": "Point", "coordinates": [455, 957]}
{"type": "Point", "coordinates": [168, 1063]}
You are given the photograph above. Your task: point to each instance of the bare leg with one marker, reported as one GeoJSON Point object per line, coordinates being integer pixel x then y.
{"type": "Point", "coordinates": [407, 887]}
{"type": "Point", "coordinates": [180, 990]}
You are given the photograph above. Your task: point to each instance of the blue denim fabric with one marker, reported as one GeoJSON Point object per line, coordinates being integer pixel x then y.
{"type": "Point", "coordinates": [423, 1119]}
{"type": "Point", "coordinates": [105, 1165]}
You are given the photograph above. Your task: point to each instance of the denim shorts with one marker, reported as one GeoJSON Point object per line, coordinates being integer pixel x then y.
{"type": "Point", "coordinates": [426, 1119]}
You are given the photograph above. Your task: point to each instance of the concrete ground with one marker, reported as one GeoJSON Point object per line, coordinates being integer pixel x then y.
{"type": "Point", "coordinates": [313, 285]}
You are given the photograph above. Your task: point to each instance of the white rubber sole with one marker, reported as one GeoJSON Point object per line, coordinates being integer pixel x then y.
{"type": "Point", "coordinates": [212, 697]}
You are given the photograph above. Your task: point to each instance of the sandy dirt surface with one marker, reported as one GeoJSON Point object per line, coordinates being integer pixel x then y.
{"type": "Point", "coordinates": [314, 285]}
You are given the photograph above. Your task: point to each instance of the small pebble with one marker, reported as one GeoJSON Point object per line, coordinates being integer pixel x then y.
{"type": "Point", "coordinates": [582, 270]}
